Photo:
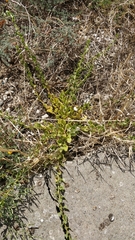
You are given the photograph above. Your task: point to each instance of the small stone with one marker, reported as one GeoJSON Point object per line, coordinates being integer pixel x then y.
{"type": "Point", "coordinates": [38, 111]}
{"type": "Point", "coordinates": [8, 109]}
{"type": "Point", "coordinates": [1, 102]}
{"type": "Point", "coordinates": [45, 116]}
{"type": "Point", "coordinates": [5, 80]}
{"type": "Point", "coordinates": [111, 217]}
{"type": "Point", "coordinates": [4, 97]}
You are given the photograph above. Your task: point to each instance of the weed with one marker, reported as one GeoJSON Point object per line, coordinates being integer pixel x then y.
{"type": "Point", "coordinates": [54, 137]}
{"type": "Point", "coordinates": [66, 119]}
{"type": "Point", "coordinates": [61, 208]}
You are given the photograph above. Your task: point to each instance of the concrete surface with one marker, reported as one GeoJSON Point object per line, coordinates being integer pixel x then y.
{"type": "Point", "coordinates": [90, 199]}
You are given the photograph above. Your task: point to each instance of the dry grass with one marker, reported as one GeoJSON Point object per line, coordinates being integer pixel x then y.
{"type": "Point", "coordinates": [39, 64]}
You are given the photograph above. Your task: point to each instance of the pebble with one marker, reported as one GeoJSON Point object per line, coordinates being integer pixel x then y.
{"type": "Point", "coordinates": [111, 217]}
{"type": "Point", "coordinates": [4, 97]}
{"type": "Point", "coordinates": [1, 102]}
{"type": "Point", "coordinates": [5, 80]}
{"type": "Point", "coordinates": [45, 116]}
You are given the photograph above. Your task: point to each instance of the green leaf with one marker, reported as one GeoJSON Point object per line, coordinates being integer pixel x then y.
{"type": "Point", "coordinates": [64, 147]}
{"type": "Point", "coordinates": [69, 139]}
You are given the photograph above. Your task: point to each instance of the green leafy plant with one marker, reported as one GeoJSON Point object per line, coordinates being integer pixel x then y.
{"type": "Point", "coordinates": [55, 136]}
{"type": "Point", "coordinates": [66, 119]}
{"type": "Point", "coordinates": [61, 208]}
